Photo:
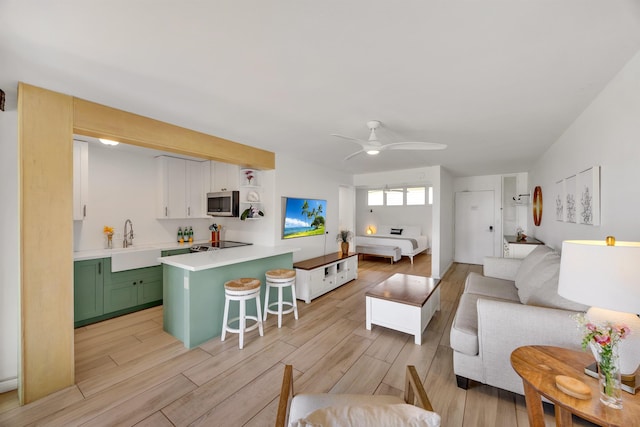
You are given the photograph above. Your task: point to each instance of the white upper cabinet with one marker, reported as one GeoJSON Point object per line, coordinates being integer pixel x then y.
{"type": "Point", "coordinates": [80, 179]}
{"type": "Point", "coordinates": [197, 175]}
{"type": "Point", "coordinates": [224, 176]}
{"type": "Point", "coordinates": [181, 187]}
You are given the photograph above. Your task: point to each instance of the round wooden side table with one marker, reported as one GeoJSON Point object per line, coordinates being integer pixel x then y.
{"type": "Point", "coordinates": [538, 367]}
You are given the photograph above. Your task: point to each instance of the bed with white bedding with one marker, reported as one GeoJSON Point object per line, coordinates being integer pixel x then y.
{"type": "Point", "coordinates": [407, 238]}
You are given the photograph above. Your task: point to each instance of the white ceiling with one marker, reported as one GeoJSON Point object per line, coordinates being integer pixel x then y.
{"type": "Point", "coordinates": [498, 81]}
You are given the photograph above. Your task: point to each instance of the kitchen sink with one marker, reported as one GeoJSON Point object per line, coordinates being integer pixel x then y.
{"type": "Point", "coordinates": [132, 257]}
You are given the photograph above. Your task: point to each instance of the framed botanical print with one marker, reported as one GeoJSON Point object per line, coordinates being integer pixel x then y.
{"type": "Point", "coordinates": [570, 199]}
{"type": "Point", "coordinates": [559, 200]}
{"type": "Point", "coordinates": [588, 196]}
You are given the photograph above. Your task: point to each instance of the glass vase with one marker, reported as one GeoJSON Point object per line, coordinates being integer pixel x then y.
{"type": "Point", "coordinates": [608, 359]}
{"type": "Point", "coordinates": [109, 241]}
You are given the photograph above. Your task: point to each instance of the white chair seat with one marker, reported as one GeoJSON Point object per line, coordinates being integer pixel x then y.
{"type": "Point", "coordinates": [327, 409]}
{"type": "Point", "coordinates": [304, 404]}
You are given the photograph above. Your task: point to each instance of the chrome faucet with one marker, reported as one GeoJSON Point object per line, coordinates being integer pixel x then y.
{"type": "Point", "coordinates": [128, 238]}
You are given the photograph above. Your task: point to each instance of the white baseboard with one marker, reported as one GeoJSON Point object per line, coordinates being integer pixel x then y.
{"type": "Point", "coordinates": [8, 385]}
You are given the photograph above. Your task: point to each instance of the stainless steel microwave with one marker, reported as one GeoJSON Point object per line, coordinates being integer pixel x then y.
{"type": "Point", "coordinates": [223, 203]}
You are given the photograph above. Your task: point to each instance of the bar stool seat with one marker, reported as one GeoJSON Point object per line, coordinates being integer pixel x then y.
{"type": "Point", "coordinates": [241, 290]}
{"type": "Point", "coordinates": [280, 278]}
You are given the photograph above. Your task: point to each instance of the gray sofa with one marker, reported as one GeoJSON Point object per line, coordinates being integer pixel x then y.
{"type": "Point", "coordinates": [515, 303]}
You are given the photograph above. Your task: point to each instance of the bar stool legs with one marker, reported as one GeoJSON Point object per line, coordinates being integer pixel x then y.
{"type": "Point", "coordinates": [241, 290]}
{"type": "Point", "coordinates": [280, 278]}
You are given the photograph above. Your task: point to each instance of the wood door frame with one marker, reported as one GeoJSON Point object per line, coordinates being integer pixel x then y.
{"type": "Point", "coordinates": [47, 121]}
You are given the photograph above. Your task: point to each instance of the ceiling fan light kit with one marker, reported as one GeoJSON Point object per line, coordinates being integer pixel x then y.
{"type": "Point", "coordinates": [373, 146]}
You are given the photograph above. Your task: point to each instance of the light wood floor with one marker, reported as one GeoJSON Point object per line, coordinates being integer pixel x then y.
{"type": "Point", "coordinates": [130, 372]}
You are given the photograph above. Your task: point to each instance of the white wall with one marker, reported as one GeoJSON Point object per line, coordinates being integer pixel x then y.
{"type": "Point", "coordinates": [494, 183]}
{"type": "Point", "coordinates": [391, 215]}
{"type": "Point", "coordinates": [428, 176]}
{"type": "Point", "coordinates": [443, 222]}
{"type": "Point", "coordinates": [122, 185]}
{"type": "Point", "coordinates": [485, 183]}
{"type": "Point", "coordinates": [9, 248]}
{"type": "Point", "coordinates": [607, 134]}
{"type": "Point", "coordinates": [347, 214]}
{"type": "Point", "coordinates": [299, 178]}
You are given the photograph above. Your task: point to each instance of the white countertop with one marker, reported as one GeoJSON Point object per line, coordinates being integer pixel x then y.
{"type": "Point", "coordinates": [106, 253]}
{"type": "Point", "coordinates": [212, 259]}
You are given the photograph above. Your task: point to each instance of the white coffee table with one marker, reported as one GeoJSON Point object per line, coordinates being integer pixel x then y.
{"type": "Point", "coordinates": [404, 303]}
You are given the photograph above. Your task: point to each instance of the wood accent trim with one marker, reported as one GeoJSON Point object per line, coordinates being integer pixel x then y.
{"type": "Point", "coordinates": [414, 392]}
{"type": "Point", "coordinates": [100, 121]}
{"type": "Point", "coordinates": [46, 293]}
{"type": "Point", "coordinates": [46, 123]}
{"type": "Point", "coordinates": [286, 394]}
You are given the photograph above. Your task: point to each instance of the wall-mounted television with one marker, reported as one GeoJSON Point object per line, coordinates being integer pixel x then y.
{"type": "Point", "coordinates": [303, 217]}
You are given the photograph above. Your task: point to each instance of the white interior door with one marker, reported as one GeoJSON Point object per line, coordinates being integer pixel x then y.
{"type": "Point", "coordinates": [474, 226]}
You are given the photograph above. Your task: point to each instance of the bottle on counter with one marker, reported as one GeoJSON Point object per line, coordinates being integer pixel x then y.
{"type": "Point", "coordinates": [180, 235]}
{"type": "Point", "coordinates": [190, 234]}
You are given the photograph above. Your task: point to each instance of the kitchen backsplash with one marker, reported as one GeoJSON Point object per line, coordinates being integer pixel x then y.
{"type": "Point", "coordinates": [123, 185]}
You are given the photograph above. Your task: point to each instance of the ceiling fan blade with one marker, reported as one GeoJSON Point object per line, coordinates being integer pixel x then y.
{"type": "Point", "coordinates": [353, 155]}
{"type": "Point", "coordinates": [361, 141]}
{"type": "Point", "coordinates": [410, 145]}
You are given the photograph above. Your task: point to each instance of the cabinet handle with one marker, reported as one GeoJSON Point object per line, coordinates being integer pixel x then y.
{"type": "Point", "coordinates": [135, 283]}
{"type": "Point", "coordinates": [100, 267]}
{"type": "Point", "coordinates": [166, 211]}
{"type": "Point", "coordinates": [84, 211]}
{"type": "Point", "coordinates": [140, 282]}
{"type": "Point", "coordinates": [189, 211]}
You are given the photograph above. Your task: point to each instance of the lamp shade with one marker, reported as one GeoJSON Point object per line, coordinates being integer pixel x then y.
{"type": "Point", "coordinates": [595, 274]}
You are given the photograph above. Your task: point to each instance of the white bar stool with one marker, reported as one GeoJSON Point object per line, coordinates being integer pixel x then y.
{"type": "Point", "coordinates": [280, 278]}
{"type": "Point", "coordinates": [241, 290]}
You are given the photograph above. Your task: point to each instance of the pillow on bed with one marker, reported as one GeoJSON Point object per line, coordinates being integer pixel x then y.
{"type": "Point", "coordinates": [384, 229]}
{"type": "Point", "coordinates": [397, 231]}
{"type": "Point", "coordinates": [411, 230]}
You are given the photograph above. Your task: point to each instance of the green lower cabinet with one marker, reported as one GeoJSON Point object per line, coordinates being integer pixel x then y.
{"type": "Point", "coordinates": [88, 283]}
{"type": "Point", "coordinates": [118, 296]}
{"type": "Point", "coordinates": [150, 291]}
{"type": "Point", "coordinates": [130, 288]}
{"type": "Point", "coordinates": [172, 252]}
{"type": "Point", "coordinates": [101, 294]}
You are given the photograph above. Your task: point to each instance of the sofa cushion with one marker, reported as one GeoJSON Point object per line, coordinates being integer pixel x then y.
{"type": "Point", "coordinates": [544, 271]}
{"type": "Point", "coordinates": [464, 330]}
{"type": "Point", "coordinates": [529, 263]}
{"type": "Point", "coordinates": [546, 295]}
{"type": "Point", "coordinates": [491, 287]}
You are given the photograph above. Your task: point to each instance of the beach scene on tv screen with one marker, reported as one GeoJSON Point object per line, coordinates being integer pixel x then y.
{"type": "Point", "coordinates": [304, 217]}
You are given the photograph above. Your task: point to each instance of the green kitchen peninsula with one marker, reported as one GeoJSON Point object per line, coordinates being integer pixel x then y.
{"type": "Point", "coordinates": [193, 287]}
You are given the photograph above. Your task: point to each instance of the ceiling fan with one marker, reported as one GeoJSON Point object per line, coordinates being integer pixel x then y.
{"type": "Point", "coordinates": [388, 190]}
{"type": "Point", "coordinates": [373, 146]}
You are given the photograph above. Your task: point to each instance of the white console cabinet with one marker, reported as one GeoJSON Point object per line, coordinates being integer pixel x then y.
{"type": "Point", "coordinates": [513, 248]}
{"type": "Point", "coordinates": [317, 276]}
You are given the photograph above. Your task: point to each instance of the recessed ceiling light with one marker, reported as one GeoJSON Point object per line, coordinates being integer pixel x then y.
{"type": "Point", "coordinates": [108, 141]}
{"type": "Point", "coordinates": [373, 152]}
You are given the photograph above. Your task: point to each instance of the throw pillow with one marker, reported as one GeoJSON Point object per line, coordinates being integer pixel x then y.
{"type": "Point", "coordinates": [546, 295]}
{"type": "Point", "coordinates": [396, 231]}
{"type": "Point", "coordinates": [369, 415]}
{"type": "Point", "coordinates": [529, 263]}
{"type": "Point", "coordinates": [542, 272]}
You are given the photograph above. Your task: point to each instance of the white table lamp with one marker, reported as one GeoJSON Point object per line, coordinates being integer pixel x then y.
{"type": "Point", "coordinates": [606, 276]}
